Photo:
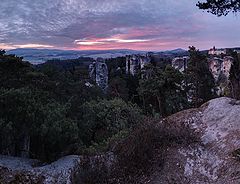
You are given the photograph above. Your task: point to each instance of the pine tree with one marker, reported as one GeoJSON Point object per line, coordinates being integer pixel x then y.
{"type": "Point", "coordinates": [162, 90]}
{"type": "Point", "coordinates": [199, 80]}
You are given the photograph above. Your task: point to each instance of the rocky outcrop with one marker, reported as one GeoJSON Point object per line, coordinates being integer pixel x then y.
{"type": "Point", "coordinates": [215, 158]}
{"type": "Point", "coordinates": [98, 72]}
{"type": "Point", "coordinates": [220, 66]}
{"type": "Point", "coordinates": [180, 63]}
{"type": "Point", "coordinates": [135, 63]}
{"type": "Point", "coordinates": [19, 170]}
{"type": "Point", "coordinates": [67, 170]}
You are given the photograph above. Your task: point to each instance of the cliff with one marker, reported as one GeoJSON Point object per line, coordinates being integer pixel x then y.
{"type": "Point", "coordinates": [215, 158]}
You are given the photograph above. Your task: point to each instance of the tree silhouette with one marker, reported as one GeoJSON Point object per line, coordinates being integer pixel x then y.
{"type": "Point", "coordinates": [2, 52]}
{"type": "Point", "coordinates": [220, 7]}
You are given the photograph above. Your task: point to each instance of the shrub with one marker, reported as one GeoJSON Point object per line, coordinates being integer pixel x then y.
{"type": "Point", "coordinates": [137, 153]}
{"type": "Point", "coordinates": [100, 120]}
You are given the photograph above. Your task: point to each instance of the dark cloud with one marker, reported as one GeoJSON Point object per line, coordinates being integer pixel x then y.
{"type": "Point", "coordinates": [73, 24]}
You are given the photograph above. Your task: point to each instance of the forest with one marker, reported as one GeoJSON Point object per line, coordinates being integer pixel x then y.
{"type": "Point", "coordinates": [48, 111]}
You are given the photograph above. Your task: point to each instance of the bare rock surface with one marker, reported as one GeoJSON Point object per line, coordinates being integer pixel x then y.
{"type": "Point", "coordinates": [212, 159]}
{"type": "Point", "coordinates": [20, 170]}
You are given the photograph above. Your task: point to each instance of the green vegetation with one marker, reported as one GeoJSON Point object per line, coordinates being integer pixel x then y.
{"type": "Point", "coordinates": [105, 118]}
{"type": "Point", "coordinates": [199, 80]}
{"type": "Point", "coordinates": [162, 91]}
{"type": "Point", "coordinates": [30, 121]}
{"type": "Point", "coordinates": [47, 111]}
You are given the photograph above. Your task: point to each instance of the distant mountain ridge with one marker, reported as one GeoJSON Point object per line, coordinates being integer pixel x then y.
{"type": "Point", "coordinates": [178, 50]}
{"type": "Point", "coordinates": [42, 55]}
{"type": "Point", "coordinates": [37, 56]}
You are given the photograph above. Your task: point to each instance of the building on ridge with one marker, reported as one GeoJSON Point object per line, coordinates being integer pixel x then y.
{"type": "Point", "coordinates": [214, 51]}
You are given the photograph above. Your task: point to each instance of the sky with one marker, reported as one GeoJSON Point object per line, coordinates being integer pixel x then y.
{"type": "Point", "coordinates": [149, 25]}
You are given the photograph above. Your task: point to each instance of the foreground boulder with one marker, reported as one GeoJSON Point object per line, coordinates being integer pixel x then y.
{"type": "Point", "coordinates": [18, 170]}
{"type": "Point", "coordinates": [216, 157]}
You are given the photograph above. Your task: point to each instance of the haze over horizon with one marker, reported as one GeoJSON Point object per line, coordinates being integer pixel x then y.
{"type": "Point", "coordinates": [149, 25]}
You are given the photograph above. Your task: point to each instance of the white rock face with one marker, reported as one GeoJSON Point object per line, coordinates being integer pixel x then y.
{"type": "Point", "coordinates": [210, 160]}
{"type": "Point", "coordinates": [67, 170]}
{"type": "Point", "coordinates": [220, 66]}
{"type": "Point", "coordinates": [180, 63]}
{"type": "Point", "coordinates": [135, 63]}
{"type": "Point", "coordinates": [16, 163]}
{"type": "Point", "coordinates": [59, 172]}
{"type": "Point", "coordinates": [98, 71]}
{"type": "Point", "coordinates": [220, 138]}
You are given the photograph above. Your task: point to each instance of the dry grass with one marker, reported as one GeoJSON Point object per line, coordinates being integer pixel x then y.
{"type": "Point", "coordinates": [9, 177]}
{"type": "Point", "coordinates": [137, 153]}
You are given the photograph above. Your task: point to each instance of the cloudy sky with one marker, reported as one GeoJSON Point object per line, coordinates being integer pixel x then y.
{"type": "Point", "coordinates": [113, 24]}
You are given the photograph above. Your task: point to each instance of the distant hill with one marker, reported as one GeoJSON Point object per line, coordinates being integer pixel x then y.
{"type": "Point", "coordinates": [177, 51]}
{"type": "Point", "coordinates": [37, 56]}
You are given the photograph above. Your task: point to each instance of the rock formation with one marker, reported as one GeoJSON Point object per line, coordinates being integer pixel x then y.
{"type": "Point", "coordinates": [226, 66]}
{"type": "Point", "coordinates": [67, 170]}
{"type": "Point", "coordinates": [19, 170]}
{"type": "Point", "coordinates": [237, 50]}
{"type": "Point", "coordinates": [215, 67]}
{"type": "Point", "coordinates": [218, 66]}
{"type": "Point", "coordinates": [215, 159]}
{"type": "Point", "coordinates": [98, 72]}
{"type": "Point", "coordinates": [180, 63]}
{"type": "Point", "coordinates": [135, 63]}
{"type": "Point", "coordinates": [220, 69]}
